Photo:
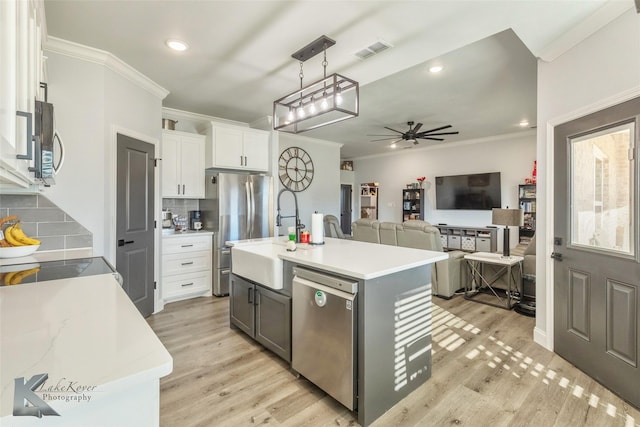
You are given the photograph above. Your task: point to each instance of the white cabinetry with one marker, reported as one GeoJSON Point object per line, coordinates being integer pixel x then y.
{"type": "Point", "coordinates": [182, 165]}
{"type": "Point", "coordinates": [186, 266]}
{"type": "Point", "coordinates": [235, 147]}
{"type": "Point", "coordinates": [21, 71]}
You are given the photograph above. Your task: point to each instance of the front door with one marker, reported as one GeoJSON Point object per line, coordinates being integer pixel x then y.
{"type": "Point", "coordinates": [134, 220]}
{"type": "Point", "coordinates": [596, 247]}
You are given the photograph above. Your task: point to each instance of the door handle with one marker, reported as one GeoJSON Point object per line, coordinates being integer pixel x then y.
{"type": "Point", "coordinates": [123, 242]}
{"type": "Point", "coordinates": [250, 296]}
{"type": "Point", "coordinates": [556, 255]}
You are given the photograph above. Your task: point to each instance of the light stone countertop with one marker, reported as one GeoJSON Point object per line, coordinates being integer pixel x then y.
{"type": "Point", "coordinates": [361, 260]}
{"type": "Point", "coordinates": [84, 330]}
{"type": "Point", "coordinates": [170, 234]}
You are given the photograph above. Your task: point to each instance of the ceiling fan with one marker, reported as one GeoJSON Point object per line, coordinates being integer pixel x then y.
{"type": "Point", "coordinates": [412, 135]}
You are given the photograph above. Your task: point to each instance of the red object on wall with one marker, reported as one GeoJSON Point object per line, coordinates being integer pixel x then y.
{"type": "Point", "coordinates": [534, 173]}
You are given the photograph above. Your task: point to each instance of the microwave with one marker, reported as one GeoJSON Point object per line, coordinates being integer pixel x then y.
{"type": "Point", "coordinates": [46, 137]}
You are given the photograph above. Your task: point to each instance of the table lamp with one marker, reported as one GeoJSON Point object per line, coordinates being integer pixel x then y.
{"type": "Point", "coordinates": [507, 217]}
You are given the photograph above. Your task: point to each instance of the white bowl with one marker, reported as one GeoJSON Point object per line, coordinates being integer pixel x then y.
{"type": "Point", "coordinates": [18, 251]}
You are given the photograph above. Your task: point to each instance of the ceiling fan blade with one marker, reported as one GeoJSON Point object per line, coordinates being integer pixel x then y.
{"type": "Point", "coordinates": [433, 139]}
{"type": "Point", "coordinates": [392, 136]}
{"type": "Point", "coordinates": [393, 130]}
{"type": "Point", "coordinates": [436, 129]}
{"type": "Point", "coordinates": [418, 126]}
{"type": "Point", "coordinates": [438, 134]}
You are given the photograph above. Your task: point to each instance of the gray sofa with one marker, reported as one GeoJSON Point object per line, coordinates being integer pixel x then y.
{"type": "Point", "coordinates": [447, 277]}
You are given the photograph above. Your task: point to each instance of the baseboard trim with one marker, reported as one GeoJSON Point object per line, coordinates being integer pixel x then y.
{"type": "Point", "coordinates": [540, 337]}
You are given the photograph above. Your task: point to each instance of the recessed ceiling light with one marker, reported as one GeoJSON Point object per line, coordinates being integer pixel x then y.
{"type": "Point", "coordinates": [524, 123]}
{"type": "Point", "coordinates": [177, 45]}
{"type": "Point", "coordinates": [436, 69]}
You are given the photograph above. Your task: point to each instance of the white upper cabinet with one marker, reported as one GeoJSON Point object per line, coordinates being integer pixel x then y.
{"type": "Point", "coordinates": [236, 147]}
{"type": "Point", "coordinates": [182, 165]}
{"type": "Point", "coordinates": [21, 71]}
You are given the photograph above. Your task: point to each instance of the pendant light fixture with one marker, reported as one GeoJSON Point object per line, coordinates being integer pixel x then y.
{"type": "Point", "coordinates": [329, 100]}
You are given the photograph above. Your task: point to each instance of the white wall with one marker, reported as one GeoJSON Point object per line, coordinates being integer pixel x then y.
{"type": "Point", "coordinates": [89, 101]}
{"type": "Point", "coordinates": [511, 155]}
{"type": "Point", "coordinates": [323, 194]}
{"type": "Point", "coordinates": [76, 89]}
{"type": "Point", "coordinates": [602, 70]}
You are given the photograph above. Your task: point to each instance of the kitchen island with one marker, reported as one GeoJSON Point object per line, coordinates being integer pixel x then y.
{"type": "Point", "coordinates": [392, 305]}
{"type": "Point", "coordinates": [80, 352]}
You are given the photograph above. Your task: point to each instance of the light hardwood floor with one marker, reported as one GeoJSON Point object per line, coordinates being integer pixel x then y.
{"type": "Point", "coordinates": [487, 371]}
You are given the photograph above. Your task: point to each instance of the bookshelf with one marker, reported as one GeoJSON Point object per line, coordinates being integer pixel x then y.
{"type": "Point", "coordinates": [412, 204]}
{"type": "Point", "coordinates": [527, 199]}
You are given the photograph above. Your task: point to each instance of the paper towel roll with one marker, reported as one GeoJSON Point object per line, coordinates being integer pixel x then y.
{"type": "Point", "coordinates": [317, 228]}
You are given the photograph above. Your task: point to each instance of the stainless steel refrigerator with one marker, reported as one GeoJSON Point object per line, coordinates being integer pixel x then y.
{"type": "Point", "coordinates": [236, 207]}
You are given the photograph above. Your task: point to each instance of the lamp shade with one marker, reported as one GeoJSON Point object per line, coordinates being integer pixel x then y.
{"type": "Point", "coordinates": [508, 217]}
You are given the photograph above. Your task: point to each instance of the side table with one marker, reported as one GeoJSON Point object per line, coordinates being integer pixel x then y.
{"type": "Point", "coordinates": [484, 283]}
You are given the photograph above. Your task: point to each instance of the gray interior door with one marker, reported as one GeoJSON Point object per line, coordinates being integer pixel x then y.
{"type": "Point", "coordinates": [134, 221]}
{"type": "Point", "coordinates": [597, 270]}
{"type": "Point", "coordinates": [345, 208]}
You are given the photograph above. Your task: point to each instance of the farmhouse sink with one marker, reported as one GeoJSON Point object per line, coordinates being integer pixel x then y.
{"type": "Point", "coordinates": [258, 262]}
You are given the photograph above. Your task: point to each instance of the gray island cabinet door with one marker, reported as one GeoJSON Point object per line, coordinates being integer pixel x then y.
{"type": "Point", "coordinates": [273, 322]}
{"type": "Point", "coordinates": [242, 294]}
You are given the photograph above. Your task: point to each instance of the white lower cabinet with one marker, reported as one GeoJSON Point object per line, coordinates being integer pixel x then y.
{"type": "Point", "coordinates": [186, 267]}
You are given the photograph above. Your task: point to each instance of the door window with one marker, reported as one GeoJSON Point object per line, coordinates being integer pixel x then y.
{"type": "Point", "coordinates": [602, 190]}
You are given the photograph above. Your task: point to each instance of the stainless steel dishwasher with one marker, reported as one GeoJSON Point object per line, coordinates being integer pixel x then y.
{"type": "Point", "coordinates": [324, 332]}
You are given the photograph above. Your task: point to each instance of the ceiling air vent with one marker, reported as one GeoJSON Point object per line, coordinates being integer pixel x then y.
{"type": "Point", "coordinates": [373, 49]}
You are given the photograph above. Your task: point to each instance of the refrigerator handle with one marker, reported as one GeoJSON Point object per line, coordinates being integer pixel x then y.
{"type": "Point", "coordinates": [248, 193]}
{"type": "Point", "coordinates": [252, 207]}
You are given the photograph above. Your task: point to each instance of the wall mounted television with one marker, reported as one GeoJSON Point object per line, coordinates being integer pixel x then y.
{"type": "Point", "coordinates": [479, 191]}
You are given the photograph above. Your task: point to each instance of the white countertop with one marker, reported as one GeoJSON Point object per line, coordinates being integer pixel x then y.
{"type": "Point", "coordinates": [351, 258]}
{"type": "Point", "coordinates": [85, 330]}
{"type": "Point", "coordinates": [171, 233]}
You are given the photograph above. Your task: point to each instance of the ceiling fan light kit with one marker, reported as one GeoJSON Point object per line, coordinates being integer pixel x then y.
{"type": "Point", "coordinates": [326, 101]}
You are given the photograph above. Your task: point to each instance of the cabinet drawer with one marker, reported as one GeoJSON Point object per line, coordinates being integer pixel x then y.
{"type": "Point", "coordinates": [184, 285]}
{"type": "Point", "coordinates": [186, 263]}
{"type": "Point", "coordinates": [483, 244]}
{"type": "Point", "coordinates": [453, 242]}
{"type": "Point", "coordinates": [468, 243]}
{"type": "Point", "coordinates": [443, 241]}
{"type": "Point", "coordinates": [173, 245]}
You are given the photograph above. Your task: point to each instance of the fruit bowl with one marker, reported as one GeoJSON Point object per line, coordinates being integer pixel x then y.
{"type": "Point", "coordinates": [18, 251]}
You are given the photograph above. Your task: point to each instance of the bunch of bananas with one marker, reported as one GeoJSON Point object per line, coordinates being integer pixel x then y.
{"type": "Point", "coordinates": [13, 234]}
{"type": "Point", "coordinates": [16, 277]}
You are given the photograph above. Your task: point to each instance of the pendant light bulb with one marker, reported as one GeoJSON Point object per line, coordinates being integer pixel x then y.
{"type": "Point", "coordinates": [300, 112]}
{"type": "Point", "coordinates": [324, 104]}
{"type": "Point", "coordinates": [338, 96]}
{"type": "Point", "coordinates": [312, 106]}
{"type": "Point", "coordinates": [290, 116]}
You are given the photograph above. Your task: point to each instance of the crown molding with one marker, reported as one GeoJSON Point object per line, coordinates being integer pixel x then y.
{"type": "Point", "coordinates": [594, 22]}
{"type": "Point", "coordinates": [528, 133]}
{"type": "Point", "coordinates": [175, 114]}
{"type": "Point", "coordinates": [106, 59]}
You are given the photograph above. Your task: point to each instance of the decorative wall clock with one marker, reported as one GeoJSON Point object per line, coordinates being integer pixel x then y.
{"type": "Point", "coordinates": [295, 168]}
